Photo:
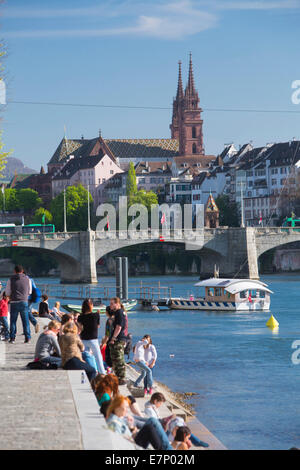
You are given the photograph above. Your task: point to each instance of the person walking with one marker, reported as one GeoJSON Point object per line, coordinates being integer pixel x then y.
{"type": "Point", "coordinates": [89, 323]}
{"type": "Point", "coordinates": [140, 361]}
{"type": "Point", "coordinates": [117, 339]}
{"type": "Point", "coordinates": [150, 358]}
{"type": "Point", "coordinates": [18, 289]}
{"type": "Point", "coordinates": [34, 297]}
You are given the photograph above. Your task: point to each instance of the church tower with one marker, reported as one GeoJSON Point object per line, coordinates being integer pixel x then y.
{"type": "Point", "coordinates": [186, 121]}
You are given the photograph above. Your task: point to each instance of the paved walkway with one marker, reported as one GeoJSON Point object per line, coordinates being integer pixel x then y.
{"type": "Point", "coordinates": [37, 408]}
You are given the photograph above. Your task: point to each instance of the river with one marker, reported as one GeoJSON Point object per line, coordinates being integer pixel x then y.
{"type": "Point", "coordinates": [247, 385]}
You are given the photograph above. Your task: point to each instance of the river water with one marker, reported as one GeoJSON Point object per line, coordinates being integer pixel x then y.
{"type": "Point", "coordinates": [247, 385]}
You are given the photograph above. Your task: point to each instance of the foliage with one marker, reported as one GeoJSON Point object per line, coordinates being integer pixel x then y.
{"type": "Point", "coordinates": [76, 209]}
{"type": "Point", "coordinates": [131, 186]}
{"type": "Point", "coordinates": [229, 213]}
{"type": "Point", "coordinates": [28, 199]}
{"type": "Point", "coordinates": [147, 198]}
{"type": "Point", "coordinates": [19, 199]}
{"type": "Point", "coordinates": [38, 216]}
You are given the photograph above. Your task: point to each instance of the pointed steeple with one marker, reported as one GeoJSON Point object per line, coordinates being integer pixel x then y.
{"type": "Point", "coordinates": [191, 85]}
{"type": "Point", "coordinates": [190, 90]}
{"type": "Point", "coordinates": [180, 93]}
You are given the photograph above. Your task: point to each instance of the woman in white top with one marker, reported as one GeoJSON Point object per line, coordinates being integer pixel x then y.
{"type": "Point", "coordinates": [150, 357]}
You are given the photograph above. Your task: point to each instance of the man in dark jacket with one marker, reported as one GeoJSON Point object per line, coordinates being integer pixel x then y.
{"type": "Point", "coordinates": [18, 289]}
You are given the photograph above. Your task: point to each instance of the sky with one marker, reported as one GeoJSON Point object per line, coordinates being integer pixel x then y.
{"type": "Point", "coordinates": [125, 53]}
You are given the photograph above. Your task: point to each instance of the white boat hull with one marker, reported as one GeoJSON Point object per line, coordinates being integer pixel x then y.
{"type": "Point", "coordinates": [186, 304]}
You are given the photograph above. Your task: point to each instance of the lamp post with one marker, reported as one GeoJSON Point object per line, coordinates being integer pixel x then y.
{"type": "Point", "coordinates": [242, 205]}
{"type": "Point", "coordinates": [65, 211]}
{"type": "Point", "coordinates": [89, 215]}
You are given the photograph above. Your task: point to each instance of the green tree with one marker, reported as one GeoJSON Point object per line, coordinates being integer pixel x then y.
{"type": "Point", "coordinates": [38, 216]}
{"type": "Point", "coordinates": [28, 199]}
{"type": "Point", "coordinates": [147, 198]}
{"type": "Point", "coordinates": [76, 209]}
{"type": "Point", "coordinates": [229, 213]}
{"type": "Point", "coordinates": [131, 186]}
{"type": "Point", "coordinates": [9, 200]}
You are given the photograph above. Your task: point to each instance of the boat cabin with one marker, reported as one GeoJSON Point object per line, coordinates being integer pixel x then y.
{"type": "Point", "coordinates": [234, 290]}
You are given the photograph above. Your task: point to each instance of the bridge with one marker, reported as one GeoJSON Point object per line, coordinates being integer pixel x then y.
{"type": "Point", "coordinates": [234, 250]}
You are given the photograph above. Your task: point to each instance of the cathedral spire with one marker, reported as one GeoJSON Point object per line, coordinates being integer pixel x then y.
{"type": "Point", "coordinates": [180, 93]}
{"type": "Point", "coordinates": [191, 84]}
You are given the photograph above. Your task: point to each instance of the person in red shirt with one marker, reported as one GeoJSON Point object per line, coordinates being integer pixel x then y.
{"type": "Point", "coordinates": [3, 317]}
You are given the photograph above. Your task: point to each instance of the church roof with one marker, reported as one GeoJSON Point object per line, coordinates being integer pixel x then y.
{"type": "Point", "coordinates": [211, 205]}
{"type": "Point", "coordinates": [66, 148]}
{"type": "Point", "coordinates": [143, 148]}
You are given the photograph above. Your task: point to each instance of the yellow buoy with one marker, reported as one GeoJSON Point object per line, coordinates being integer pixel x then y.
{"type": "Point", "coordinates": [272, 322]}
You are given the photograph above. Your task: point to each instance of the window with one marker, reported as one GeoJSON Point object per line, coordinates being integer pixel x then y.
{"type": "Point", "coordinates": [194, 148]}
{"type": "Point", "coordinates": [111, 172]}
{"type": "Point", "coordinates": [194, 133]}
{"type": "Point", "coordinates": [274, 171]}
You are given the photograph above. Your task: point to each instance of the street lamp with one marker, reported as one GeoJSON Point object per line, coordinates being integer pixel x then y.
{"type": "Point", "coordinates": [242, 185]}
{"type": "Point", "coordinates": [65, 211]}
{"type": "Point", "coordinates": [89, 215]}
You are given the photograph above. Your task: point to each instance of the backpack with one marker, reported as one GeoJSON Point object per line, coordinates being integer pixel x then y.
{"type": "Point", "coordinates": [35, 295]}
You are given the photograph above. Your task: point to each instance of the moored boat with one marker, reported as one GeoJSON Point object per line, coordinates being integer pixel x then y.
{"type": "Point", "coordinates": [129, 305]}
{"type": "Point", "coordinates": [227, 294]}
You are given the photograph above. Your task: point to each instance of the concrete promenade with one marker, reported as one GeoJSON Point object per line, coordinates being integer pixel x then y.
{"type": "Point", "coordinates": [53, 410]}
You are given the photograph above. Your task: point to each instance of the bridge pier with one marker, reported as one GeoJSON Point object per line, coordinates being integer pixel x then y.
{"type": "Point", "coordinates": [233, 252]}
{"type": "Point", "coordinates": [84, 270]}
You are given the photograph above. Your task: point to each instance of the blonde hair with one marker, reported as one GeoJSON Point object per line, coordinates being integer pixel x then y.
{"type": "Point", "coordinates": [70, 327]}
{"type": "Point", "coordinates": [57, 304]}
{"type": "Point", "coordinates": [53, 325]}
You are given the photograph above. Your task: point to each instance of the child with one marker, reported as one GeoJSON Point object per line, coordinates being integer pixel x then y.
{"type": "Point", "coordinates": [44, 308]}
{"type": "Point", "coordinates": [103, 347]}
{"type": "Point", "coordinates": [3, 316]}
{"type": "Point", "coordinates": [152, 406]}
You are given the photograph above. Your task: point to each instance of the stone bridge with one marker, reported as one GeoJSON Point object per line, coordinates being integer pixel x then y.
{"type": "Point", "coordinates": [234, 250]}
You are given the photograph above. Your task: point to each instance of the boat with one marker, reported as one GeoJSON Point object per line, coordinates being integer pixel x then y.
{"type": "Point", "coordinates": [227, 294]}
{"type": "Point", "coordinates": [128, 305]}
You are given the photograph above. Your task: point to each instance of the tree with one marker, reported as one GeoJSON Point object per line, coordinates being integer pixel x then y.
{"type": "Point", "coordinates": [28, 199]}
{"type": "Point", "coordinates": [11, 200]}
{"type": "Point", "coordinates": [131, 186]}
{"type": "Point", "coordinates": [147, 198]}
{"type": "Point", "coordinates": [229, 213]}
{"type": "Point", "coordinates": [38, 216]}
{"type": "Point", "coordinates": [76, 209]}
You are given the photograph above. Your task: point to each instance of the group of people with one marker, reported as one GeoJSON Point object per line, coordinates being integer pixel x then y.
{"type": "Point", "coordinates": [142, 428]}
{"type": "Point", "coordinates": [72, 341]}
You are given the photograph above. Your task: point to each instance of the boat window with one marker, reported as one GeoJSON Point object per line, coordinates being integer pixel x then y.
{"type": "Point", "coordinates": [218, 291]}
{"type": "Point", "coordinates": [243, 294]}
{"type": "Point", "coordinates": [210, 292]}
{"type": "Point", "coordinates": [261, 294]}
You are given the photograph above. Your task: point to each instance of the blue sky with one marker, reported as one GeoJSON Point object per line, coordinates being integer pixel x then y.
{"type": "Point", "coordinates": [126, 52]}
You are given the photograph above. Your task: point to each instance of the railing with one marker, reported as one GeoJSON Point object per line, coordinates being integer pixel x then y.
{"type": "Point", "coordinates": [100, 293]}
